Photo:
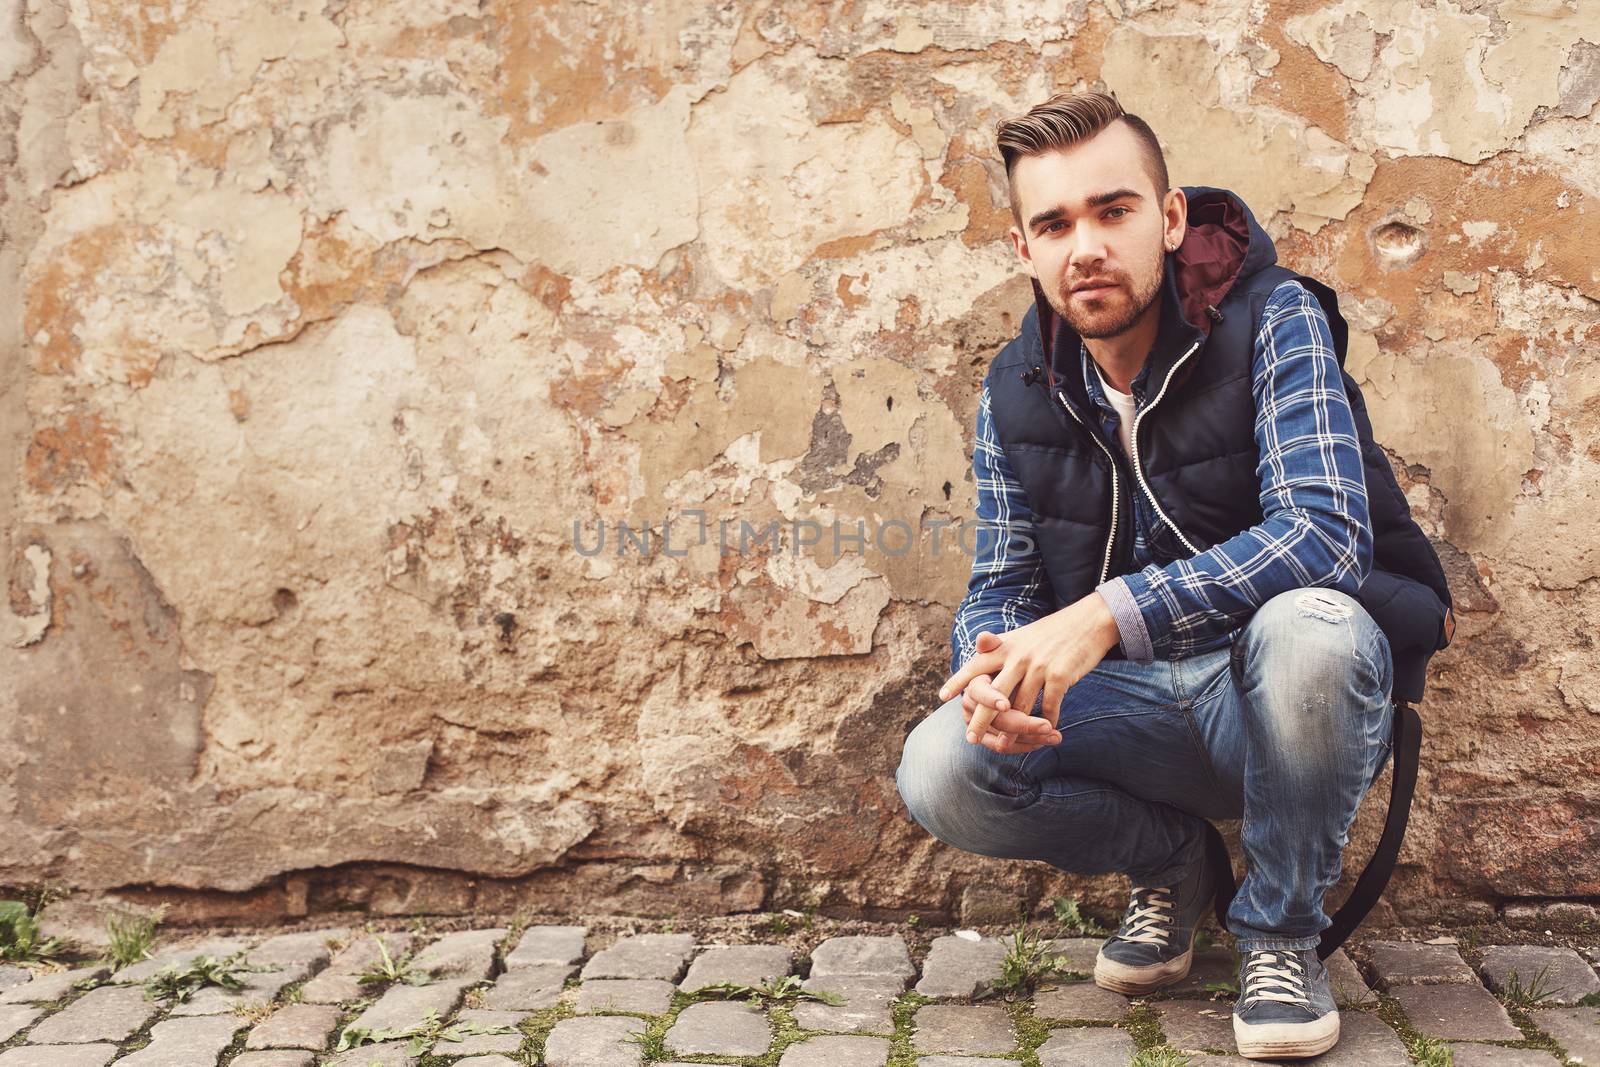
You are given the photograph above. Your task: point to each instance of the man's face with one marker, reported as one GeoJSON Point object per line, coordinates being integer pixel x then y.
{"type": "Point", "coordinates": [1067, 240]}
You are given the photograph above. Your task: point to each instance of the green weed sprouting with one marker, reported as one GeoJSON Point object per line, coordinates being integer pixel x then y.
{"type": "Point", "coordinates": [774, 990]}
{"type": "Point", "coordinates": [1430, 1052]}
{"type": "Point", "coordinates": [20, 937]}
{"type": "Point", "coordinates": [389, 969]}
{"type": "Point", "coordinates": [181, 983]}
{"type": "Point", "coordinates": [1069, 915]}
{"type": "Point", "coordinates": [422, 1034]}
{"type": "Point", "coordinates": [1026, 963]}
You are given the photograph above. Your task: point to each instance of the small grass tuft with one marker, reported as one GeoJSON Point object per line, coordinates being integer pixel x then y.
{"type": "Point", "coordinates": [1517, 995]}
{"type": "Point", "coordinates": [1070, 915]}
{"type": "Point", "coordinates": [129, 937]}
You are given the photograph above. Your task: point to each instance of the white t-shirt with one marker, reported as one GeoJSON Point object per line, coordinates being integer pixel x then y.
{"type": "Point", "coordinates": [1123, 403]}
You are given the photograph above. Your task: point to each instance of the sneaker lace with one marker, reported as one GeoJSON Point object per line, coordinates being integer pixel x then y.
{"type": "Point", "coordinates": [1272, 974]}
{"type": "Point", "coordinates": [1149, 917]}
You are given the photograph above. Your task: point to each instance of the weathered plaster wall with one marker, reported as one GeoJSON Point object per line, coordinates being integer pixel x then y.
{"type": "Point", "coordinates": [330, 318]}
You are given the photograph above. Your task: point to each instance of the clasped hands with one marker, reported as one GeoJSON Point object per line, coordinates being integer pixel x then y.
{"type": "Point", "coordinates": [1048, 657]}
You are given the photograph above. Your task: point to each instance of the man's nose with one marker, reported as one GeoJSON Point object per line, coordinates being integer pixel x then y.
{"type": "Point", "coordinates": [1088, 250]}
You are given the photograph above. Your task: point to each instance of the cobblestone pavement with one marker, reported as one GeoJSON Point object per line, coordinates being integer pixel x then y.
{"type": "Point", "coordinates": [555, 995]}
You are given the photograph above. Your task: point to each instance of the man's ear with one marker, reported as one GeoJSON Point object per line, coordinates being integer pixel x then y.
{"type": "Point", "coordinates": [1024, 253]}
{"type": "Point", "coordinates": [1175, 212]}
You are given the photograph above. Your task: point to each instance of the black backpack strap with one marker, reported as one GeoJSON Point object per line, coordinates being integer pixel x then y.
{"type": "Point", "coordinates": [1406, 752]}
{"type": "Point", "coordinates": [1226, 886]}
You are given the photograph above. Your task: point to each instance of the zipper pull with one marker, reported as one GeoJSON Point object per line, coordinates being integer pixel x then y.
{"type": "Point", "coordinates": [1211, 310]}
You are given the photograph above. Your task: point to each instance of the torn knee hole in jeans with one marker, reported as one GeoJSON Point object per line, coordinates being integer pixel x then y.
{"type": "Point", "coordinates": [1322, 607]}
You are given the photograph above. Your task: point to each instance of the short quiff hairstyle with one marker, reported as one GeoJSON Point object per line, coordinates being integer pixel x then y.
{"type": "Point", "coordinates": [1067, 118]}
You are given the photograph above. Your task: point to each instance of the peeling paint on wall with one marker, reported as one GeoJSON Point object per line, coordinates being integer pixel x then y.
{"type": "Point", "coordinates": [344, 325]}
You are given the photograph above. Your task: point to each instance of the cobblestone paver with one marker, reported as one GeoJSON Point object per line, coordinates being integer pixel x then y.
{"type": "Point", "coordinates": [646, 996]}
{"type": "Point", "coordinates": [1079, 1001]}
{"type": "Point", "coordinates": [1457, 1011]}
{"type": "Point", "coordinates": [595, 1041]}
{"type": "Point", "coordinates": [959, 967]}
{"type": "Point", "coordinates": [837, 1051]}
{"type": "Point", "coordinates": [1466, 1055]}
{"type": "Point", "coordinates": [879, 956]}
{"type": "Point", "coordinates": [1559, 972]}
{"type": "Point", "coordinates": [1401, 963]}
{"type": "Point", "coordinates": [110, 1013]}
{"type": "Point", "coordinates": [304, 1026]}
{"type": "Point", "coordinates": [1089, 1047]}
{"type": "Point", "coordinates": [719, 1029]}
{"type": "Point", "coordinates": [547, 944]}
{"type": "Point", "coordinates": [275, 1058]}
{"type": "Point", "coordinates": [1576, 1029]}
{"type": "Point", "coordinates": [642, 956]}
{"type": "Point", "coordinates": [186, 1042]}
{"type": "Point", "coordinates": [960, 1028]}
{"type": "Point", "coordinates": [867, 1007]}
{"type": "Point", "coordinates": [739, 964]}
{"type": "Point", "coordinates": [530, 988]}
{"type": "Point", "coordinates": [591, 1005]}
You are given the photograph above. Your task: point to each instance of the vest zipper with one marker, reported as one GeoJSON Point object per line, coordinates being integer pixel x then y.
{"type": "Point", "coordinates": [1137, 471]}
{"type": "Point", "coordinates": [1105, 563]}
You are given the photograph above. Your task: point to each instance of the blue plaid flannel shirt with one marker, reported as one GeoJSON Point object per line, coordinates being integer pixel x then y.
{"type": "Point", "coordinates": [1315, 529]}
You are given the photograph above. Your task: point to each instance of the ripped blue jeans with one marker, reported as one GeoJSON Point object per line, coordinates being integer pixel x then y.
{"type": "Point", "coordinates": [1286, 729]}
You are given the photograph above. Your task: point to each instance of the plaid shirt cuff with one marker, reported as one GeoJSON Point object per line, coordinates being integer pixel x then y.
{"type": "Point", "coordinates": [1130, 621]}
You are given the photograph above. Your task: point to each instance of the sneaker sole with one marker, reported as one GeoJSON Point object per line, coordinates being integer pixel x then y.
{"type": "Point", "coordinates": [1262, 1041]}
{"type": "Point", "coordinates": [1135, 981]}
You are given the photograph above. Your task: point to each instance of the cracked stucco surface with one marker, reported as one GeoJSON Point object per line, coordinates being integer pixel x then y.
{"type": "Point", "coordinates": [335, 317]}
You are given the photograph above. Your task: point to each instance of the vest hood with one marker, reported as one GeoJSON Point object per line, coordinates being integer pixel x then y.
{"type": "Point", "coordinates": [1222, 245]}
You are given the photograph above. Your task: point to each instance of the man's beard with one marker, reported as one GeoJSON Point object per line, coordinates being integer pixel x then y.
{"type": "Point", "coordinates": [1098, 323]}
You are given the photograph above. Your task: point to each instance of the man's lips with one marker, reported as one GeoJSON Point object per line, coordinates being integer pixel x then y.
{"type": "Point", "coordinates": [1093, 287]}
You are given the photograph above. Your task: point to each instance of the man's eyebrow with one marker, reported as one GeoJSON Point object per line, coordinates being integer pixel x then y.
{"type": "Point", "coordinates": [1095, 200]}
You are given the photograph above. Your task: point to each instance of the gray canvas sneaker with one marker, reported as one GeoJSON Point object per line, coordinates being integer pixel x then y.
{"type": "Point", "coordinates": [1285, 1008]}
{"type": "Point", "coordinates": [1155, 944]}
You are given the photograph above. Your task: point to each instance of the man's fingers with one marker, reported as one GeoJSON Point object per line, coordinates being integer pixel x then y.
{"type": "Point", "coordinates": [969, 702]}
{"type": "Point", "coordinates": [1028, 694]}
{"type": "Point", "coordinates": [981, 718]}
{"type": "Point", "coordinates": [982, 663]}
{"type": "Point", "coordinates": [1054, 694]}
{"type": "Point", "coordinates": [1006, 743]}
{"type": "Point", "coordinates": [1025, 732]}
{"type": "Point", "coordinates": [983, 691]}
{"type": "Point", "coordinates": [1011, 720]}
{"type": "Point", "coordinates": [1011, 675]}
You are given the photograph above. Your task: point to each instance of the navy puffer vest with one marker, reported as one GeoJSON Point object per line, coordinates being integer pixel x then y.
{"type": "Point", "coordinates": [1195, 440]}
